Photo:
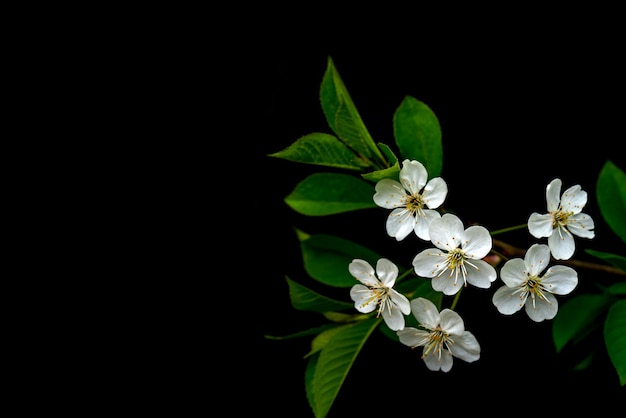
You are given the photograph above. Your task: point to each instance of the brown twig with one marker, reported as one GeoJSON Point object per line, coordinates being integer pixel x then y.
{"type": "Point", "coordinates": [509, 250]}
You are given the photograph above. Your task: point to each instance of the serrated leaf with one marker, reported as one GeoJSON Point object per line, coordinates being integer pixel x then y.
{"type": "Point", "coordinates": [305, 299]}
{"type": "Point", "coordinates": [611, 197]}
{"type": "Point", "coordinates": [615, 260]}
{"type": "Point", "coordinates": [577, 317]}
{"type": "Point", "coordinates": [615, 338]}
{"type": "Point", "coordinates": [335, 361]}
{"type": "Point", "coordinates": [344, 119]}
{"type": "Point", "coordinates": [322, 339]}
{"type": "Point", "coordinates": [323, 194]}
{"type": "Point", "coordinates": [309, 374]}
{"type": "Point", "coordinates": [326, 259]}
{"type": "Point", "coordinates": [321, 149]}
{"type": "Point", "coordinates": [418, 135]}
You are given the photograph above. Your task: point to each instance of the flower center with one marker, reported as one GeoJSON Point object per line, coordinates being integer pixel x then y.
{"type": "Point", "coordinates": [436, 341]}
{"type": "Point", "coordinates": [414, 203]}
{"type": "Point", "coordinates": [560, 217]}
{"type": "Point", "coordinates": [533, 287]}
{"type": "Point", "coordinates": [455, 263]}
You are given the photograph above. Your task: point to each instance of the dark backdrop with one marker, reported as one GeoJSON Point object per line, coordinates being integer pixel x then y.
{"type": "Point", "coordinates": [514, 115]}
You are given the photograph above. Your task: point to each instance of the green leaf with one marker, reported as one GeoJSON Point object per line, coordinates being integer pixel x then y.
{"type": "Point", "coordinates": [334, 363]}
{"type": "Point", "coordinates": [611, 196]}
{"type": "Point", "coordinates": [330, 193]}
{"type": "Point", "coordinates": [618, 289]}
{"type": "Point", "coordinates": [577, 317]}
{"type": "Point", "coordinates": [321, 149]}
{"type": "Point", "coordinates": [326, 259]}
{"type": "Point", "coordinates": [322, 339]}
{"type": "Point", "coordinates": [306, 333]}
{"type": "Point", "coordinates": [418, 135]}
{"type": "Point", "coordinates": [615, 338]}
{"type": "Point", "coordinates": [615, 260]}
{"type": "Point", "coordinates": [309, 374]}
{"type": "Point", "coordinates": [305, 299]}
{"type": "Point", "coordinates": [344, 119]}
{"type": "Point", "coordinates": [391, 172]}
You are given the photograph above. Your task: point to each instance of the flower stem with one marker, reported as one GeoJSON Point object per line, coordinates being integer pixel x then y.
{"type": "Point", "coordinates": [456, 299]}
{"type": "Point", "coordinates": [509, 229]}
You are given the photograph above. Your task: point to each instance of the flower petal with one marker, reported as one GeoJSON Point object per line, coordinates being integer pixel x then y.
{"type": "Point", "coordinates": [446, 232]}
{"type": "Point", "coordinates": [513, 272]}
{"type": "Point", "coordinates": [400, 223]}
{"type": "Point", "coordinates": [574, 199]}
{"type": "Point", "coordinates": [561, 244]}
{"type": "Point", "coordinates": [387, 272]}
{"type": "Point", "coordinates": [363, 272]}
{"type": "Point", "coordinates": [412, 337]}
{"type": "Point", "coordinates": [435, 362]}
{"type": "Point", "coordinates": [422, 223]}
{"type": "Point", "coordinates": [481, 277]}
{"type": "Point", "coordinates": [435, 192]}
{"type": "Point", "coordinates": [365, 299]}
{"type": "Point", "coordinates": [560, 280]}
{"type": "Point", "coordinates": [393, 318]}
{"type": "Point", "coordinates": [507, 300]}
{"type": "Point", "coordinates": [389, 194]}
{"type": "Point", "coordinates": [541, 309]}
{"type": "Point", "coordinates": [428, 262]}
{"type": "Point", "coordinates": [540, 226]}
{"type": "Point", "coordinates": [553, 195]}
{"type": "Point", "coordinates": [413, 176]}
{"type": "Point", "coordinates": [476, 242]}
{"type": "Point", "coordinates": [466, 347]}
{"type": "Point", "coordinates": [425, 312]}
{"type": "Point", "coordinates": [451, 322]}
{"type": "Point", "coordinates": [581, 225]}
{"type": "Point", "coordinates": [536, 259]}
{"type": "Point", "coordinates": [400, 301]}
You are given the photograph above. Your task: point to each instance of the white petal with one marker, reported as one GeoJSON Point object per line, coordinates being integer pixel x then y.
{"type": "Point", "coordinates": [435, 192]}
{"type": "Point", "coordinates": [537, 258]}
{"type": "Point", "coordinates": [393, 318]}
{"type": "Point", "coordinates": [581, 225]}
{"type": "Point", "coordinates": [476, 242]}
{"type": "Point", "coordinates": [561, 244]}
{"type": "Point", "coordinates": [540, 226]}
{"type": "Point", "coordinates": [507, 301]}
{"type": "Point", "coordinates": [553, 195]}
{"type": "Point", "coordinates": [435, 363]}
{"type": "Point", "coordinates": [466, 347]}
{"type": "Point", "coordinates": [365, 300]}
{"type": "Point", "coordinates": [387, 272]}
{"type": "Point", "coordinates": [428, 262]}
{"type": "Point", "coordinates": [574, 199]}
{"type": "Point", "coordinates": [451, 322]}
{"type": "Point", "coordinates": [560, 280]}
{"type": "Point", "coordinates": [446, 232]}
{"type": "Point", "coordinates": [425, 312]}
{"type": "Point", "coordinates": [422, 223]}
{"type": "Point", "coordinates": [389, 194]}
{"type": "Point", "coordinates": [400, 301]}
{"type": "Point", "coordinates": [483, 277]}
{"type": "Point", "coordinates": [412, 336]}
{"type": "Point", "coordinates": [400, 223]}
{"type": "Point", "coordinates": [413, 176]}
{"type": "Point", "coordinates": [448, 283]}
{"type": "Point", "coordinates": [513, 272]}
{"type": "Point", "coordinates": [364, 272]}
{"type": "Point", "coordinates": [542, 310]}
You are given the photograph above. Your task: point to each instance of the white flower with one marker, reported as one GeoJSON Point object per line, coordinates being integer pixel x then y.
{"type": "Point", "coordinates": [563, 219]}
{"type": "Point", "coordinates": [444, 336]}
{"type": "Point", "coordinates": [378, 291]}
{"type": "Point", "coordinates": [412, 200]}
{"type": "Point", "coordinates": [522, 278]}
{"type": "Point", "coordinates": [458, 256]}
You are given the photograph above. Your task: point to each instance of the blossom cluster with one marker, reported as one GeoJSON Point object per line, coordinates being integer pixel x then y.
{"type": "Point", "coordinates": [457, 259]}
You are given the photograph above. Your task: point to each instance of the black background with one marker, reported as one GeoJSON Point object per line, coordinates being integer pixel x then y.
{"type": "Point", "coordinates": [515, 111]}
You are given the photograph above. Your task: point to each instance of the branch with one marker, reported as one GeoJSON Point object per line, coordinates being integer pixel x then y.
{"type": "Point", "coordinates": [509, 250]}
